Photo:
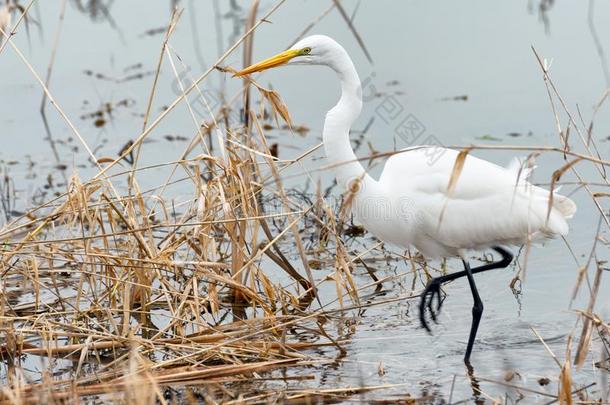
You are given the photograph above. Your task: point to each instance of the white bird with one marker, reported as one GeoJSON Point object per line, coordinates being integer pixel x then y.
{"type": "Point", "coordinates": [413, 202]}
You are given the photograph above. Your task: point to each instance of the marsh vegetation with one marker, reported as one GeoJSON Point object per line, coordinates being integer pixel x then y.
{"type": "Point", "coordinates": [170, 234]}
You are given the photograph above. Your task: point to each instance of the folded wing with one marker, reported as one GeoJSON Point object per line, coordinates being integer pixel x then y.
{"type": "Point", "coordinates": [490, 205]}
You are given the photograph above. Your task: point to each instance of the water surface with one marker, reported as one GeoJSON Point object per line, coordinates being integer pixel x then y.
{"type": "Point", "coordinates": [466, 71]}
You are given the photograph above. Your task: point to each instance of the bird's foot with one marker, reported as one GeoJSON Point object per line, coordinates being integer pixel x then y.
{"type": "Point", "coordinates": [432, 291]}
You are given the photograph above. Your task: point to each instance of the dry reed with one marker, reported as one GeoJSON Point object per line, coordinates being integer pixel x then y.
{"type": "Point", "coordinates": [201, 300]}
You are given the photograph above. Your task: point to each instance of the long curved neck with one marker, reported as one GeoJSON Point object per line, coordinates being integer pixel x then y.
{"type": "Point", "coordinates": [338, 122]}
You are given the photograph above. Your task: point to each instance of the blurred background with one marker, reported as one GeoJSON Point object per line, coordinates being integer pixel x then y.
{"type": "Point", "coordinates": [462, 73]}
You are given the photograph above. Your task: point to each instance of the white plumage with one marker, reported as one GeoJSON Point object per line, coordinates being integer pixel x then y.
{"type": "Point", "coordinates": [412, 205]}
{"type": "Point", "coordinates": [490, 205]}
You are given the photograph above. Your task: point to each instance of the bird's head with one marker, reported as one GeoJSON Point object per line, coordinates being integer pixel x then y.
{"type": "Point", "coordinates": [312, 50]}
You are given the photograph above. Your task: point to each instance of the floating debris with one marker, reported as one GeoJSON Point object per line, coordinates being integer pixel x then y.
{"type": "Point", "coordinates": [455, 98]}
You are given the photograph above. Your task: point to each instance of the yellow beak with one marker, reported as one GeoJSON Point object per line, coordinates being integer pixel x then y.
{"type": "Point", "coordinates": [277, 60]}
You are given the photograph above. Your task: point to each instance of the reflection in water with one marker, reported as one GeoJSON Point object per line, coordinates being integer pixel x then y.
{"type": "Point", "coordinates": [543, 7]}
{"type": "Point", "coordinates": [598, 42]}
{"type": "Point", "coordinates": [97, 10]}
{"type": "Point", "coordinates": [411, 347]}
{"type": "Point", "coordinates": [237, 18]}
{"type": "Point", "coordinates": [475, 385]}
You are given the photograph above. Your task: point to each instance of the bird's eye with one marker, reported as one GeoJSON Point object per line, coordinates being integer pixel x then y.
{"type": "Point", "coordinates": [306, 51]}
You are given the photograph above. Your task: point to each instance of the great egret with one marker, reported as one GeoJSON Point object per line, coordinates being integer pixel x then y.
{"type": "Point", "coordinates": [425, 203]}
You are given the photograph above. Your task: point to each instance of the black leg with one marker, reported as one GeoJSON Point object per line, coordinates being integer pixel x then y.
{"type": "Point", "coordinates": [507, 257]}
{"type": "Point", "coordinates": [433, 289]}
{"type": "Point", "coordinates": [477, 311]}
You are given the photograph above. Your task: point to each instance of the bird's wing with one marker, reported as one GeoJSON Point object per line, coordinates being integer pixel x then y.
{"type": "Point", "coordinates": [489, 205]}
{"type": "Point", "coordinates": [428, 169]}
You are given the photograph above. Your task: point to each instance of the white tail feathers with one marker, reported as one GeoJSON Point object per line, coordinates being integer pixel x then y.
{"type": "Point", "coordinates": [521, 167]}
{"type": "Point", "coordinates": [564, 205]}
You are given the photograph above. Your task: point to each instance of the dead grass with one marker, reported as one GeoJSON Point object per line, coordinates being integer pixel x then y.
{"type": "Point", "coordinates": [200, 300]}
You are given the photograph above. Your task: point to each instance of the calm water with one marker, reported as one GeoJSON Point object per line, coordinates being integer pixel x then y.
{"type": "Point", "coordinates": [464, 70]}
